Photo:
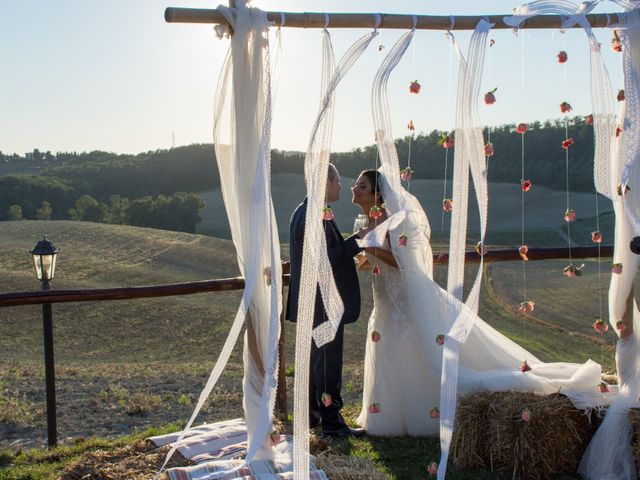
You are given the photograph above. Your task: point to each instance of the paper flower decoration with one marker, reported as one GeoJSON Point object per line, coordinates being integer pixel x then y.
{"type": "Point", "coordinates": [446, 141]}
{"type": "Point", "coordinates": [527, 306]}
{"type": "Point", "coordinates": [525, 185]}
{"type": "Point", "coordinates": [376, 270]}
{"type": "Point", "coordinates": [616, 268]}
{"type": "Point", "coordinates": [375, 336]}
{"type": "Point", "coordinates": [492, 42]}
{"type": "Point", "coordinates": [596, 237]}
{"type": "Point", "coordinates": [562, 56]}
{"type": "Point", "coordinates": [565, 107]}
{"type": "Point", "coordinates": [572, 272]}
{"type": "Point", "coordinates": [600, 326]}
{"type": "Point", "coordinates": [374, 408]}
{"type": "Point", "coordinates": [414, 87]}
{"type": "Point", "coordinates": [620, 96]}
{"type": "Point", "coordinates": [566, 143]}
{"type": "Point", "coordinates": [432, 469]}
{"type": "Point", "coordinates": [623, 191]}
{"type": "Point", "coordinates": [481, 249]}
{"type": "Point", "coordinates": [525, 415]}
{"type": "Point", "coordinates": [410, 126]}
{"type": "Point", "coordinates": [488, 150]}
{"type": "Point", "coordinates": [447, 204]}
{"type": "Point", "coordinates": [588, 119]}
{"type": "Point", "coordinates": [522, 128]}
{"type": "Point", "coordinates": [489, 97]}
{"type": "Point", "coordinates": [326, 399]}
{"type": "Point", "coordinates": [275, 438]}
{"type": "Point", "coordinates": [440, 339]}
{"type": "Point", "coordinates": [406, 174]}
{"type": "Point", "coordinates": [375, 212]}
{"type": "Point", "coordinates": [402, 240]}
{"type": "Point", "coordinates": [569, 215]}
{"type": "Point", "coordinates": [620, 326]}
{"type": "Point", "coordinates": [434, 413]}
{"type": "Point", "coordinates": [616, 43]}
{"type": "Point", "coordinates": [267, 275]}
{"type": "Point", "coordinates": [618, 130]}
{"type": "Point", "coordinates": [603, 387]}
{"type": "Point", "coordinates": [524, 367]}
{"type": "Point", "coordinates": [523, 250]}
{"type": "Point", "coordinates": [327, 213]}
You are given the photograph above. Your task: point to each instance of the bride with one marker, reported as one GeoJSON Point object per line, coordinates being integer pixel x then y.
{"type": "Point", "coordinates": [403, 358]}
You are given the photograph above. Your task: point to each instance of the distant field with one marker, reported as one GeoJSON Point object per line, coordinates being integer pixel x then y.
{"type": "Point", "coordinates": [544, 211]}
{"type": "Point", "coordinates": [164, 348]}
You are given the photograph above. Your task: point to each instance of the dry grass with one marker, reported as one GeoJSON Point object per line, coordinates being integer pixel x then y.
{"type": "Point", "coordinates": [342, 467]}
{"type": "Point", "coordinates": [634, 419]}
{"type": "Point", "coordinates": [139, 461]}
{"type": "Point", "coordinates": [493, 432]}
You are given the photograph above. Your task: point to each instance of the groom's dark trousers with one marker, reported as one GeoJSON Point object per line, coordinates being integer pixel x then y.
{"type": "Point", "coordinates": [326, 361]}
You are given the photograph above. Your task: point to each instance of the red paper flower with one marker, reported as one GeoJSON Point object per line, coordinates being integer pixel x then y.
{"type": "Point", "coordinates": [620, 96]}
{"type": "Point", "coordinates": [440, 339]}
{"type": "Point", "coordinates": [603, 387]}
{"type": "Point", "coordinates": [527, 306]}
{"type": "Point", "coordinates": [326, 399]}
{"type": "Point", "coordinates": [525, 415]}
{"type": "Point", "coordinates": [616, 43]}
{"type": "Point", "coordinates": [616, 268]}
{"type": "Point", "coordinates": [402, 240]}
{"type": "Point", "coordinates": [523, 250]}
{"type": "Point", "coordinates": [406, 174]}
{"type": "Point", "coordinates": [434, 413]}
{"type": "Point", "coordinates": [525, 185]}
{"type": "Point", "coordinates": [489, 97]}
{"type": "Point", "coordinates": [327, 213]}
{"type": "Point", "coordinates": [375, 212]}
{"type": "Point", "coordinates": [376, 270]}
{"type": "Point", "coordinates": [447, 204]}
{"type": "Point", "coordinates": [562, 56]}
{"type": "Point", "coordinates": [267, 274]}
{"type": "Point", "coordinates": [374, 408]}
{"type": "Point", "coordinates": [569, 215]}
{"type": "Point", "coordinates": [618, 130]}
{"type": "Point", "coordinates": [572, 272]}
{"type": "Point", "coordinates": [588, 119]}
{"type": "Point", "coordinates": [375, 336]}
{"type": "Point", "coordinates": [522, 128]}
{"type": "Point", "coordinates": [446, 140]}
{"type": "Point", "coordinates": [565, 107]}
{"type": "Point", "coordinates": [524, 367]}
{"type": "Point", "coordinates": [414, 87]}
{"type": "Point", "coordinates": [491, 43]}
{"type": "Point", "coordinates": [488, 150]}
{"type": "Point", "coordinates": [600, 326]}
{"type": "Point", "coordinates": [275, 438]}
{"type": "Point", "coordinates": [432, 469]}
{"type": "Point", "coordinates": [410, 126]}
{"type": "Point", "coordinates": [620, 326]}
{"type": "Point", "coordinates": [596, 237]}
{"type": "Point", "coordinates": [566, 143]}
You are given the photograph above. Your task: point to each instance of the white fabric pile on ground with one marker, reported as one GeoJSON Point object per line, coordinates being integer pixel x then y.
{"type": "Point", "coordinates": [218, 449]}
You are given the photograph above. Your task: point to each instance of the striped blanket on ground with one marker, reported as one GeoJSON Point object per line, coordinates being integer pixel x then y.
{"type": "Point", "coordinates": [217, 449]}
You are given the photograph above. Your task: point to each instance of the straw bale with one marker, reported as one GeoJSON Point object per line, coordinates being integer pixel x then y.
{"type": "Point", "coordinates": [134, 462]}
{"type": "Point", "coordinates": [492, 433]}
{"type": "Point", "coordinates": [634, 420]}
{"type": "Point", "coordinates": [342, 467]}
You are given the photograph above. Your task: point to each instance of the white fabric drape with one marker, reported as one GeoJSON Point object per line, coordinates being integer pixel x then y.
{"type": "Point", "coordinates": [242, 135]}
{"type": "Point", "coordinates": [316, 269]}
{"type": "Point", "coordinates": [468, 157]}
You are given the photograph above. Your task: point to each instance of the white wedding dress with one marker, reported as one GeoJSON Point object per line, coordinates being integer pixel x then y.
{"type": "Point", "coordinates": [403, 360]}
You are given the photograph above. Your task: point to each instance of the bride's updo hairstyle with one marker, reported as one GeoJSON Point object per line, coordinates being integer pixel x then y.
{"type": "Point", "coordinates": [374, 178]}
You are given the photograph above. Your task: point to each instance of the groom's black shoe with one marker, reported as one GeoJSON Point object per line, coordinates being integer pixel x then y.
{"type": "Point", "coordinates": [344, 432]}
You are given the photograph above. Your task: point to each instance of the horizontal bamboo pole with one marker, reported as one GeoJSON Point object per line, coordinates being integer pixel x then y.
{"type": "Point", "coordinates": [237, 283]}
{"type": "Point", "coordinates": [387, 20]}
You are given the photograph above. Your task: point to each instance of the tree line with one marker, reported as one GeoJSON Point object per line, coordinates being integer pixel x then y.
{"type": "Point", "coordinates": [152, 188]}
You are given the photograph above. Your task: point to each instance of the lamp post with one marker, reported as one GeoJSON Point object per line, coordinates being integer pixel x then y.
{"type": "Point", "coordinates": [44, 256]}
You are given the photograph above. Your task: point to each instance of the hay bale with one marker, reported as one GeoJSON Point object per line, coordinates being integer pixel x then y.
{"type": "Point", "coordinates": [522, 434]}
{"type": "Point", "coordinates": [634, 420]}
{"type": "Point", "coordinates": [343, 467]}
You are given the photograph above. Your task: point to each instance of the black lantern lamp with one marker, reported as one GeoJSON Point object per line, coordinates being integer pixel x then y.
{"type": "Point", "coordinates": [45, 255]}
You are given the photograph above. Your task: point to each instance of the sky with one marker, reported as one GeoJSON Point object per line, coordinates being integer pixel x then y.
{"type": "Point", "coordinates": [83, 75]}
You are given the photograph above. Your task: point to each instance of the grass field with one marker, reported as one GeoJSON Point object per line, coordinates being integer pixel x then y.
{"type": "Point", "coordinates": [154, 355]}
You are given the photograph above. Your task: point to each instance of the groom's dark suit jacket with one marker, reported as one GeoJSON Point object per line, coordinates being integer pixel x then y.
{"type": "Point", "coordinates": [341, 252]}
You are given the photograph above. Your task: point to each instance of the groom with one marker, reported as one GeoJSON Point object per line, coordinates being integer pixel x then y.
{"type": "Point", "coordinates": [325, 380]}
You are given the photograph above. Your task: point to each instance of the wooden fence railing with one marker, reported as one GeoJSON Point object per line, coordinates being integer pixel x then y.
{"type": "Point", "coordinates": [49, 297]}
